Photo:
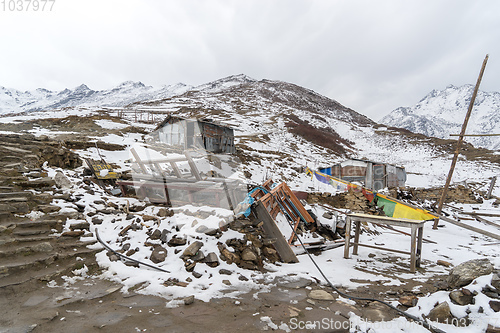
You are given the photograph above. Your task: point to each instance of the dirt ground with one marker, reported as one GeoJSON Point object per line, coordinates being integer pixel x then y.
{"type": "Point", "coordinates": [97, 305]}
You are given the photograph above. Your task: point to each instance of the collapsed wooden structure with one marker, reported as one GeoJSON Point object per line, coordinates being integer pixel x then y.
{"type": "Point", "coordinates": [175, 187]}
{"type": "Point", "coordinates": [272, 199]}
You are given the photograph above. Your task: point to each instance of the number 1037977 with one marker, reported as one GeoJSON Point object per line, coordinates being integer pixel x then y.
{"type": "Point", "coordinates": [27, 5]}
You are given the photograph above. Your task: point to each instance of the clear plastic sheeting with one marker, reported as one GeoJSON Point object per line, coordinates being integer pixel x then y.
{"type": "Point", "coordinates": [176, 175]}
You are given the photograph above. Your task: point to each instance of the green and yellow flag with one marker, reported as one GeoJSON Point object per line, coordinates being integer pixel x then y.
{"type": "Point", "coordinates": [398, 210]}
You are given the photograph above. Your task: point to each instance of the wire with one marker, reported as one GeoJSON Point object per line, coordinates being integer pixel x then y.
{"type": "Point", "coordinates": [124, 256]}
{"type": "Point", "coordinates": [424, 323]}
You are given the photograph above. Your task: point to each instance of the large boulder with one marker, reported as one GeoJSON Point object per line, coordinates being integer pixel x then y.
{"type": "Point", "coordinates": [464, 273]}
{"type": "Point", "coordinates": [441, 313]}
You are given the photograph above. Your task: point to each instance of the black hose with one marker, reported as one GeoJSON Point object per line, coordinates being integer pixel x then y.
{"type": "Point", "coordinates": [424, 323]}
{"type": "Point", "coordinates": [124, 256]}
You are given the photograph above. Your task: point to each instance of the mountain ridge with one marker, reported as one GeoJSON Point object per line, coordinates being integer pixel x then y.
{"type": "Point", "coordinates": [16, 101]}
{"type": "Point", "coordinates": [442, 112]}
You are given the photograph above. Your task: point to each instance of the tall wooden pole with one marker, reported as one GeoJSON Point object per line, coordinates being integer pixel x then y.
{"type": "Point", "coordinates": [459, 143]}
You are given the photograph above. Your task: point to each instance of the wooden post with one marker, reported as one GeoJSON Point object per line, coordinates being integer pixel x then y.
{"type": "Point", "coordinates": [459, 142]}
{"type": "Point", "coordinates": [138, 160]}
{"type": "Point", "coordinates": [492, 185]}
{"type": "Point", "coordinates": [272, 231]}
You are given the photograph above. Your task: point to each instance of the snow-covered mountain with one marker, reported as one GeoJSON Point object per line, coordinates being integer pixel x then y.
{"type": "Point", "coordinates": [279, 125]}
{"type": "Point", "coordinates": [442, 113]}
{"type": "Point", "coordinates": [279, 128]}
{"type": "Point", "coordinates": [15, 101]}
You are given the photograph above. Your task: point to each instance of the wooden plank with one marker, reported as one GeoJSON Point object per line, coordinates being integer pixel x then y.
{"type": "Point", "coordinates": [294, 230]}
{"type": "Point", "coordinates": [493, 134]}
{"type": "Point", "coordinates": [138, 160]}
{"type": "Point", "coordinates": [480, 214]}
{"type": "Point", "coordinates": [492, 185]}
{"type": "Point", "coordinates": [386, 220]}
{"type": "Point", "coordinates": [487, 221]}
{"type": "Point", "coordinates": [380, 248]}
{"type": "Point", "coordinates": [272, 231]}
{"type": "Point", "coordinates": [192, 166]}
{"type": "Point", "coordinates": [267, 184]}
{"type": "Point", "coordinates": [466, 226]}
{"type": "Point", "coordinates": [297, 204]}
{"type": "Point", "coordinates": [347, 236]}
{"type": "Point", "coordinates": [459, 141]}
{"type": "Point", "coordinates": [177, 172]}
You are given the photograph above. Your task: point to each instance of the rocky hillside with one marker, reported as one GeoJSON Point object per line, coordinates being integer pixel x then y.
{"type": "Point", "coordinates": [279, 123]}
{"type": "Point", "coordinates": [442, 113]}
{"type": "Point", "coordinates": [280, 128]}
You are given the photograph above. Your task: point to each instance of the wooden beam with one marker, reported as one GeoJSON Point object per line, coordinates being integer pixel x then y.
{"type": "Point", "coordinates": [487, 221]}
{"type": "Point", "coordinates": [192, 166]}
{"type": "Point", "coordinates": [272, 231]}
{"type": "Point", "coordinates": [294, 230]}
{"type": "Point", "coordinates": [492, 185]}
{"type": "Point", "coordinates": [459, 142]}
{"type": "Point", "coordinates": [480, 214]}
{"type": "Point", "coordinates": [297, 204]}
{"type": "Point", "coordinates": [177, 172]}
{"type": "Point", "coordinates": [475, 135]}
{"type": "Point", "coordinates": [466, 226]}
{"type": "Point", "coordinates": [138, 160]}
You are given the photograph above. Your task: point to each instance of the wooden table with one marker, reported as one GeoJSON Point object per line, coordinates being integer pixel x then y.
{"type": "Point", "coordinates": [417, 229]}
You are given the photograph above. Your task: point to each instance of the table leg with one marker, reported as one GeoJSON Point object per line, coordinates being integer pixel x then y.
{"type": "Point", "coordinates": [419, 244]}
{"type": "Point", "coordinates": [413, 249]}
{"type": "Point", "coordinates": [347, 236]}
{"type": "Point", "coordinates": [356, 238]}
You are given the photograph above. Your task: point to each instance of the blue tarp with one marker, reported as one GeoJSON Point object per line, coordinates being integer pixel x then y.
{"type": "Point", "coordinates": [249, 200]}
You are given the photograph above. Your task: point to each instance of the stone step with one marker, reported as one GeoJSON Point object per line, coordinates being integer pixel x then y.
{"type": "Point", "coordinates": [51, 224]}
{"type": "Point", "coordinates": [15, 195]}
{"type": "Point", "coordinates": [25, 249]}
{"type": "Point", "coordinates": [18, 263]}
{"type": "Point", "coordinates": [4, 200]}
{"type": "Point", "coordinates": [6, 216]}
{"type": "Point", "coordinates": [76, 245]}
{"type": "Point", "coordinates": [14, 207]}
{"type": "Point", "coordinates": [34, 247]}
{"type": "Point", "coordinates": [39, 238]}
{"type": "Point", "coordinates": [44, 269]}
{"type": "Point", "coordinates": [31, 232]}
{"type": "Point", "coordinates": [12, 265]}
{"type": "Point", "coordinates": [6, 189]}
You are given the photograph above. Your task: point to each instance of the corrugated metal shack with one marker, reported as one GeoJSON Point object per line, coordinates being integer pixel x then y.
{"type": "Point", "coordinates": [199, 133]}
{"type": "Point", "coordinates": [372, 175]}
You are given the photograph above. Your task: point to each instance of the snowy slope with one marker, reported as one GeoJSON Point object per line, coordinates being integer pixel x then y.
{"type": "Point", "coordinates": [280, 125]}
{"type": "Point", "coordinates": [15, 101]}
{"type": "Point", "coordinates": [442, 113]}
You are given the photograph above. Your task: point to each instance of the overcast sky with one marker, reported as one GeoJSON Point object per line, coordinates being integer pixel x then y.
{"type": "Point", "coordinates": [371, 56]}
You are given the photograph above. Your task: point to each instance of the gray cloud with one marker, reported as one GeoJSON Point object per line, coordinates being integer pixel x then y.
{"type": "Point", "coordinates": [371, 56]}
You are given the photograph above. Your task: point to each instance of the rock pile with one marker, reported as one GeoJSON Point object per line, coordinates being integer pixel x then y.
{"type": "Point", "coordinates": [466, 294]}
{"type": "Point", "coordinates": [358, 203]}
{"type": "Point", "coordinates": [253, 249]}
{"type": "Point", "coordinates": [458, 194]}
{"type": "Point", "coordinates": [248, 252]}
